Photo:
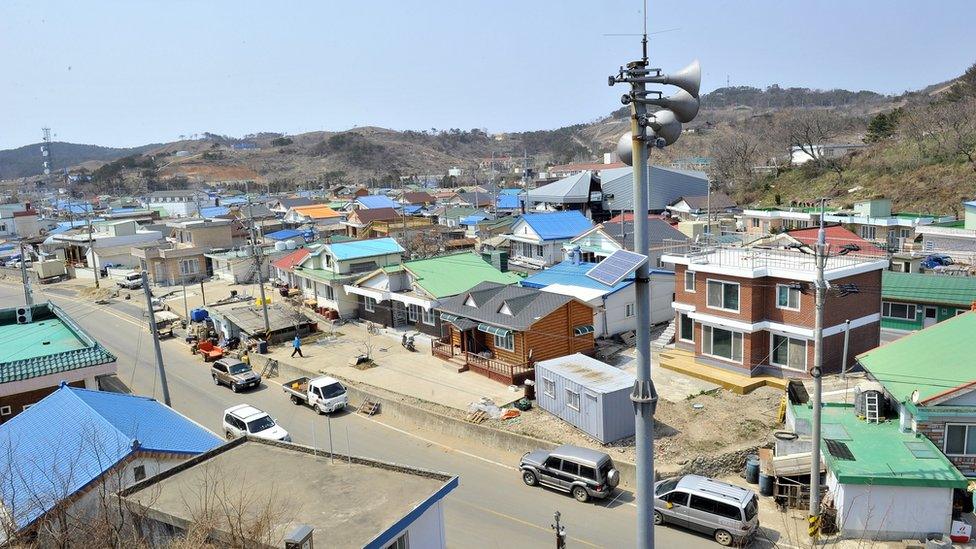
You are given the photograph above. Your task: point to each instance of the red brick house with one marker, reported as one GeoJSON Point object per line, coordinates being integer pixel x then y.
{"type": "Point", "coordinates": [751, 310]}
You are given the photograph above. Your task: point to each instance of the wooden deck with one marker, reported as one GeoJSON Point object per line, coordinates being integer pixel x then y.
{"type": "Point", "coordinates": [492, 368]}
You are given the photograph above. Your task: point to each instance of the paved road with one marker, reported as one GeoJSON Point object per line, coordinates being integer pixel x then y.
{"type": "Point", "coordinates": [491, 508]}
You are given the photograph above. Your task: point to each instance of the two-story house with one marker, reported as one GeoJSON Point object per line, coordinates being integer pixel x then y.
{"type": "Point", "coordinates": [179, 203]}
{"type": "Point", "coordinates": [181, 259]}
{"type": "Point", "coordinates": [323, 274]}
{"type": "Point", "coordinates": [958, 238]}
{"type": "Point", "coordinates": [604, 239]}
{"type": "Point", "coordinates": [108, 242]}
{"type": "Point", "coordinates": [751, 310]}
{"type": "Point", "coordinates": [930, 378]}
{"type": "Point", "coordinates": [406, 295]}
{"type": "Point", "coordinates": [537, 238]}
{"type": "Point", "coordinates": [499, 330]}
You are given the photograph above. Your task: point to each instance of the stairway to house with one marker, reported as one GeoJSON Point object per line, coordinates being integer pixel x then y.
{"type": "Point", "coordinates": [665, 338]}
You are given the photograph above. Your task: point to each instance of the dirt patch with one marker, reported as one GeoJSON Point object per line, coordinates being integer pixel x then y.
{"type": "Point", "coordinates": [97, 294]}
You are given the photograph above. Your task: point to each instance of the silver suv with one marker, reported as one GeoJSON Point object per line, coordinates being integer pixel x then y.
{"type": "Point", "coordinates": [234, 374]}
{"type": "Point", "coordinates": [727, 512]}
{"type": "Point", "coordinates": [582, 472]}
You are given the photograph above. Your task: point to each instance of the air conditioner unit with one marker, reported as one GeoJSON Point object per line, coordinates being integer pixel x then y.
{"type": "Point", "coordinates": [23, 315]}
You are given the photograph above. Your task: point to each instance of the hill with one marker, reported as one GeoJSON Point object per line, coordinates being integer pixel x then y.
{"type": "Point", "coordinates": [26, 161]}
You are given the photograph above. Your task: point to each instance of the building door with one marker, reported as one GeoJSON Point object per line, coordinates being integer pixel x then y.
{"type": "Point", "coordinates": [931, 316]}
{"type": "Point", "coordinates": [591, 416]}
{"type": "Point", "coordinates": [399, 314]}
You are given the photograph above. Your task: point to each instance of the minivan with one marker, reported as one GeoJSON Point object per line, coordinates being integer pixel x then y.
{"type": "Point", "coordinates": [727, 512]}
{"type": "Point", "coordinates": [582, 472]}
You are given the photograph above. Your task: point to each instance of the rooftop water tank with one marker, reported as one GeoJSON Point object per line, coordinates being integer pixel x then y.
{"type": "Point", "coordinates": [280, 246]}
{"type": "Point", "coordinates": [290, 244]}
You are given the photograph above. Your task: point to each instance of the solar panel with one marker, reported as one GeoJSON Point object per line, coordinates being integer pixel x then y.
{"type": "Point", "coordinates": [838, 449]}
{"type": "Point", "coordinates": [616, 267]}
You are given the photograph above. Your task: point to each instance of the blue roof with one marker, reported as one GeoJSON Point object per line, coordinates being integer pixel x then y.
{"type": "Point", "coordinates": [54, 458]}
{"type": "Point", "coordinates": [284, 234]}
{"type": "Point", "coordinates": [230, 200]}
{"type": "Point", "coordinates": [374, 201]}
{"type": "Point", "coordinates": [473, 219]}
{"type": "Point", "coordinates": [508, 201]}
{"type": "Point", "coordinates": [572, 274]}
{"type": "Point", "coordinates": [74, 207]}
{"type": "Point", "coordinates": [214, 211]}
{"type": "Point", "coordinates": [510, 192]}
{"type": "Point", "coordinates": [558, 225]}
{"type": "Point", "coordinates": [125, 210]}
{"type": "Point", "coordinates": [64, 226]}
{"type": "Point", "coordinates": [411, 209]}
{"type": "Point", "coordinates": [363, 248]}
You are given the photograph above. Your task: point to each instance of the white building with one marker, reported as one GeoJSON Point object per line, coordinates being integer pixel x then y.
{"type": "Point", "coordinates": [537, 238]}
{"type": "Point", "coordinates": [802, 155]}
{"type": "Point", "coordinates": [108, 243]}
{"type": "Point", "coordinates": [181, 203]}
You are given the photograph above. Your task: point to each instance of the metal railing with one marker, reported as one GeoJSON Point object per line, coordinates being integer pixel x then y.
{"type": "Point", "coordinates": [758, 258]}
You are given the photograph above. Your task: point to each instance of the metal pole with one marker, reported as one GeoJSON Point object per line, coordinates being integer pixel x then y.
{"type": "Point", "coordinates": [256, 253]}
{"type": "Point", "coordinates": [28, 295]}
{"type": "Point", "coordinates": [644, 395]}
{"type": "Point", "coordinates": [155, 337]}
{"type": "Point", "coordinates": [817, 372]}
{"type": "Point", "coordinates": [203, 297]}
{"type": "Point", "coordinates": [331, 449]}
{"type": "Point", "coordinates": [186, 309]}
{"type": "Point", "coordinates": [560, 531]}
{"type": "Point", "coordinates": [847, 336]}
{"type": "Point", "coordinates": [91, 250]}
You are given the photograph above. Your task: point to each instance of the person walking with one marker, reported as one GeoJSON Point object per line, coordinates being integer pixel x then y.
{"type": "Point", "coordinates": [297, 344]}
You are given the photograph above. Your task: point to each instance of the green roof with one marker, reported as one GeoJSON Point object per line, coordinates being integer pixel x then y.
{"type": "Point", "coordinates": [883, 454]}
{"type": "Point", "coordinates": [50, 344]}
{"type": "Point", "coordinates": [936, 360]}
{"type": "Point", "coordinates": [323, 275]}
{"type": "Point", "coordinates": [959, 291]}
{"type": "Point", "coordinates": [449, 275]}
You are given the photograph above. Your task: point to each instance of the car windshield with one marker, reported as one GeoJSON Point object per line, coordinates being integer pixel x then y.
{"type": "Point", "coordinates": [333, 390]}
{"type": "Point", "coordinates": [260, 424]}
{"type": "Point", "coordinates": [752, 508]}
{"type": "Point", "coordinates": [667, 486]}
{"type": "Point", "coordinates": [239, 368]}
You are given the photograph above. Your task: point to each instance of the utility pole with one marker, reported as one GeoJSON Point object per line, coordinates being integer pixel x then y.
{"type": "Point", "coordinates": [91, 249]}
{"type": "Point", "coordinates": [256, 252]}
{"type": "Point", "coordinates": [560, 531]}
{"type": "Point", "coordinates": [28, 295]}
{"type": "Point", "coordinates": [821, 291]}
{"type": "Point", "coordinates": [160, 369]}
{"type": "Point", "coordinates": [658, 129]}
{"type": "Point", "coordinates": [847, 337]}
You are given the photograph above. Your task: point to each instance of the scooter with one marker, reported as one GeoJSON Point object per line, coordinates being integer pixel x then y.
{"type": "Point", "coordinates": [407, 343]}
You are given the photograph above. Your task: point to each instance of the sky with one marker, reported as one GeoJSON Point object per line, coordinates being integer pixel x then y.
{"type": "Point", "coordinates": [129, 73]}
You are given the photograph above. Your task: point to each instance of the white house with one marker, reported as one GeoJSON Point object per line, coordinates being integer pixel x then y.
{"type": "Point", "coordinates": [181, 203]}
{"type": "Point", "coordinates": [109, 242]}
{"type": "Point", "coordinates": [829, 151]}
{"type": "Point", "coordinates": [537, 238]}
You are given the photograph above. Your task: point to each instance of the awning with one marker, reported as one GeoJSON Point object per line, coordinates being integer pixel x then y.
{"type": "Point", "coordinates": [448, 317]}
{"type": "Point", "coordinates": [493, 330]}
{"type": "Point", "coordinates": [463, 324]}
{"type": "Point", "coordinates": [583, 330]}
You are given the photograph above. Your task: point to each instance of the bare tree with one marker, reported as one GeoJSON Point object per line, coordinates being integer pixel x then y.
{"type": "Point", "coordinates": [809, 131]}
{"type": "Point", "coordinates": [954, 129]}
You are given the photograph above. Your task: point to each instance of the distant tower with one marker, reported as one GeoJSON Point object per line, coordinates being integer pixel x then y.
{"type": "Point", "coordinates": [46, 154]}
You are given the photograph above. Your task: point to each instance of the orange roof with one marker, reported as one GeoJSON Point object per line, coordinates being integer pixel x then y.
{"type": "Point", "coordinates": [288, 262]}
{"type": "Point", "coordinates": [317, 211]}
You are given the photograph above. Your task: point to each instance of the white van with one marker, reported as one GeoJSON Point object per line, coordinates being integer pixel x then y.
{"type": "Point", "coordinates": [131, 281]}
{"type": "Point", "coordinates": [727, 512]}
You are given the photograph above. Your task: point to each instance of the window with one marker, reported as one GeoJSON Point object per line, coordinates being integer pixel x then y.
{"type": "Point", "coordinates": [789, 352]}
{"type": "Point", "coordinates": [572, 399]}
{"type": "Point", "coordinates": [677, 498]}
{"type": "Point", "coordinates": [689, 281]}
{"type": "Point", "coordinates": [549, 387]}
{"type": "Point", "coordinates": [629, 312]}
{"type": "Point", "coordinates": [189, 266]}
{"type": "Point", "coordinates": [868, 232]}
{"type": "Point", "coordinates": [686, 328]}
{"type": "Point", "coordinates": [570, 467]}
{"type": "Point", "coordinates": [960, 439]}
{"type": "Point", "coordinates": [721, 343]}
{"type": "Point", "coordinates": [369, 304]}
{"type": "Point", "coordinates": [787, 297]}
{"type": "Point", "coordinates": [506, 342]}
{"type": "Point", "coordinates": [726, 510]}
{"type": "Point", "coordinates": [904, 233]}
{"type": "Point", "coordinates": [904, 311]}
{"type": "Point", "coordinates": [703, 504]}
{"type": "Point", "coordinates": [755, 222]}
{"type": "Point", "coordinates": [587, 472]}
{"type": "Point", "coordinates": [5, 410]}
{"type": "Point", "coordinates": [413, 313]}
{"type": "Point", "coordinates": [139, 472]}
{"type": "Point", "coordinates": [723, 295]}
{"type": "Point", "coordinates": [402, 542]}
{"type": "Point", "coordinates": [427, 316]}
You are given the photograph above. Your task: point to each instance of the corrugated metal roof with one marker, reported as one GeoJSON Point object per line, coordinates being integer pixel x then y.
{"type": "Point", "coordinates": [557, 225]}
{"type": "Point", "coordinates": [376, 201]}
{"type": "Point", "coordinates": [596, 376]}
{"type": "Point", "coordinates": [568, 273]}
{"type": "Point", "coordinates": [214, 211]}
{"type": "Point", "coordinates": [71, 437]}
{"type": "Point", "coordinates": [452, 274]}
{"type": "Point", "coordinates": [363, 248]}
{"type": "Point", "coordinates": [664, 186]}
{"type": "Point", "coordinates": [574, 189]}
{"type": "Point", "coordinates": [284, 234]}
{"type": "Point", "coordinates": [959, 291]}
{"type": "Point", "coordinates": [508, 201]}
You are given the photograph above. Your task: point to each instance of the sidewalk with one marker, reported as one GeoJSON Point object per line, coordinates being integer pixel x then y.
{"type": "Point", "coordinates": [415, 374]}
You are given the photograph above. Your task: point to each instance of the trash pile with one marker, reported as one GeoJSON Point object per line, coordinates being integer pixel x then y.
{"type": "Point", "coordinates": [487, 407]}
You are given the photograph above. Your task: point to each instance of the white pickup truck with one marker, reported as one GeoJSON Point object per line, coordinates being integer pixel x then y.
{"type": "Point", "coordinates": [129, 281]}
{"type": "Point", "coordinates": [324, 394]}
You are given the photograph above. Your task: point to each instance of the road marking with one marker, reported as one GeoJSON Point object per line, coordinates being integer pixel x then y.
{"type": "Point", "coordinates": [518, 520]}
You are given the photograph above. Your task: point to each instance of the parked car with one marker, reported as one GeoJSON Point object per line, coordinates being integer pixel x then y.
{"type": "Point", "coordinates": [245, 419]}
{"type": "Point", "coordinates": [582, 472]}
{"type": "Point", "coordinates": [727, 512]}
{"type": "Point", "coordinates": [324, 394]}
{"type": "Point", "coordinates": [130, 281]}
{"type": "Point", "coordinates": [934, 261]}
{"type": "Point", "coordinates": [234, 374]}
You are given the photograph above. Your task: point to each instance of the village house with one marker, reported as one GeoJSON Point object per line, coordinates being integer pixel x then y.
{"type": "Point", "coordinates": [499, 331]}
{"type": "Point", "coordinates": [406, 295]}
{"type": "Point", "coordinates": [665, 185]}
{"type": "Point", "coordinates": [598, 243]}
{"type": "Point", "coordinates": [411, 515]}
{"type": "Point", "coordinates": [317, 214]}
{"type": "Point", "coordinates": [579, 191]}
{"type": "Point", "coordinates": [283, 268]}
{"type": "Point", "coordinates": [41, 348]}
{"type": "Point", "coordinates": [179, 203]}
{"type": "Point", "coordinates": [929, 378]}
{"type": "Point", "coordinates": [957, 239]}
{"type": "Point", "coordinates": [874, 221]}
{"type": "Point", "coordinates": [281, 206]}
{"type": "Point", "coordinates": [181, 259]}
{"type": "Point", "coordinates": [359, 222]}
{"type": "Point", "coordinates": [537, 238]}
{"type": "Point", "coordinates": [112, 441]}
{"type": "Point", "coordinates": [696, 208]}
{"type": "Point", "coordinates": [374, 202]}
{"type": "Point", "coordinates": [912, 301]}
{"type": "Point", "coordinates": [109, 242]}
{"type": "Point", "coordinates": [323, 274]}
{"type": "Point", "coordinates": [751, 310]}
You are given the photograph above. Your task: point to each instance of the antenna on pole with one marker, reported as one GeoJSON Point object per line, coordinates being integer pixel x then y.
{"type": "Point", "coordinates": [644, 38]}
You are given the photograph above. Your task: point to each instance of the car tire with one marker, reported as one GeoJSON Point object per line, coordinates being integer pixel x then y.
{"type": "Point", "coordinates": [216, 381]}
{"type": "Point", "coordinates": [723, 538]}
{"type": "Point", "coordinates": [317, 409]}
{"type": "Point", "coordinates": [529, 478]}
{"type": "Point", "coordinates": [658, 518]}
{"type": "Point", "coordinates": [234, 388]}
{"type": "Point", "coordinates": [228, 435]}
{"type": "Point", "coordinates": [295, 400]}
{"type": "Point", "coordinates": [580, 494]}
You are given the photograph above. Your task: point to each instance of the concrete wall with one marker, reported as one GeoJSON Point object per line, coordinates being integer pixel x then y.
{"type": "Point", "coordinates": [428, 529]}
{"type": "Point", "coordinates": [890, 512]}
